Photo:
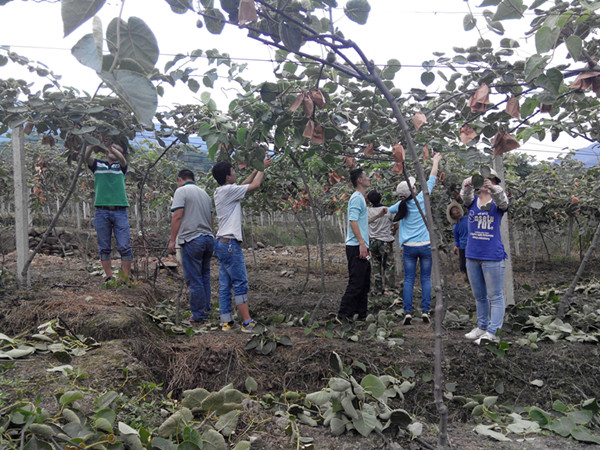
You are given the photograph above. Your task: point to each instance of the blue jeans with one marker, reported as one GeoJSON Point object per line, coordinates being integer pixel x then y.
{"type": "Point", "coordinates": [409, 257]}
{"type": "Point", "coordinates": [232, 273]}
{"type": "Point", "coordinates": [107, 221]}
{"type": "Point", "coordinates": [195, 259]}
{"type": "Point", "coordinates": [487, 279]}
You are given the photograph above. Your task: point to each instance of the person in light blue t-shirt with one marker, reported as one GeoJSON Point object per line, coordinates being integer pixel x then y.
{"type": "Point", "coordinates": [485, 255]}
{"type": "Point", "coordinates": [355, 299]}
{"type": "Point", "coordinates": [414, 240]}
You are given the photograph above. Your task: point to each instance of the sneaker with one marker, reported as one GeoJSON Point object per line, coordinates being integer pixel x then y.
{"type": "Point", "coordinates": [248, 327]}
{"type": "Point", "coordinates": [426, 317]}
{"type": "Point", "coordinates": [487, 337]}
{"type": "Point", "coordinates": [475, 333]}
{"type": "Point", "coordinates": [407, 319]}
{"type": "Point", "coordinates": [228, 326]}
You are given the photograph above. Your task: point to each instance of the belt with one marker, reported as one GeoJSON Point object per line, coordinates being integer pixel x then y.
{"type": "Point", "coordinates": [112, 208]}
{"type": "Point", "coordinates": [226, 240]}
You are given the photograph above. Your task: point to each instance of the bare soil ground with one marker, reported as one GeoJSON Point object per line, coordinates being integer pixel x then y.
{"type": "Point", "coordinates": [135, 351]}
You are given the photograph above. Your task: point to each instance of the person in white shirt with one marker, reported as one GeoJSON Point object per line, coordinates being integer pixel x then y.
{"type": "Point", "coordinates": [228, 247]}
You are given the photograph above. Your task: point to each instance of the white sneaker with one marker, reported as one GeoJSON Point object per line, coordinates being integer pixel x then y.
{"type": "Point", "coordinates": [407, 319]}
{"type": "Point", "coordinates": [426, 317]}
{"type": "Point", "coordinates": [475, 333]}
{"type": "Point", "coordinates": [487, 337]}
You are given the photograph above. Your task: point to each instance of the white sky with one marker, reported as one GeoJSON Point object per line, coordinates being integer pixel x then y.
{"type": "Point", "coordinates": [407, 31]}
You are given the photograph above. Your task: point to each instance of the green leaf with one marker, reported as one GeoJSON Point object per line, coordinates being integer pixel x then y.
{"type": "Point", "coordinates": [213, 440]}
{"type": "Point", "coordinates": [374, 385]}
{"type": "Point", "coordinates": [136, 42]}
{"type": "Point", "coordinates": [269, 92]}
{"type": "Point", "coordinates": [486, 430]}
{"type": "Point", "coordinates": [509, 43]}
{"type": "Point", "coordinates": [285, 340]}
{"type": "Point", "coordinates": [76, 12]}
{"type": "Point", "coordinates": [85, 52]}
{"type": "Point", "coordinates": [575, 47]}
{"type": "Point", "coordinates": [489, 3]}
{"type": "Point", "coordinates": [563, 426]}
{"type": "Point", "coordinates": [537, 3]}
{"type": "Point", "coordinates": [400, 417]}
{"type": "Point", "coordinates": [193, 85]}
{"type": "Point", "coordinates": [581, 417]}
{"type": "Point", "coordinates": [319, 398]}
{"type": "Point", "coordinates": [16, 353]}
{"type": "Point", "coordinates": [102, 424]}
{"type": "Point", "coordinates": [584, 435]}
{"type": "Point", "coordinates": [416, 429]}
{"type": "Point", "coordinates": [591, 405]}
{"type": "Point", "coordinates": [180, 6]}
{"type": "Point", "coordinates": [291, 36]}
{"type": "Point", "coordinates": [551, 81]}
{"type": "Point", "coordinates": [215, 20]}
{"type": "Point", "coordinates": [469, 22]}
{"type": "Point", "coordinates": [69, 397]}
{"type": "Point", "coordinates": [339, 384]}
{"type": "Point", "coordinates": [365, 422]}
{"type": "Point", "coordinates": [358, 11]}
{"type": "Point", "coordinates": [335, 363]}
{"type": "Point", "coordinates": [545, 39]}
{"type": "Point", "coordinates": [534, 67]}
{"type": "Point", "coordinates": [509, 9]}
{"type": "Point", "coordinates": [393, 66]}
{"type": "Point", "coordinates": [427, 78]}
{"type": "Point", "coordinates": [251, 385]}
{"type": "Point", "coordinates": [163, 444]}
{"type": "Point", "coordinates": [136, 91]}
{"type": "Point", "coordinates": [242, 445]}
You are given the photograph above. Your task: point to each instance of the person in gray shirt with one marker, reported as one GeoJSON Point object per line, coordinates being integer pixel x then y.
{"type": "Point", "coordinates": [192, 229]}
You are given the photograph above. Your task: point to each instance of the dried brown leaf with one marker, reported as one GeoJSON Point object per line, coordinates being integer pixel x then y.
{"type": "Point", "coordinates": [349, 162]}
{"type": "Point", "coordinates": [480, 99]}
{"type": "Point", "coordinates": [308, 105]}
{"type": "Point", "coordinates": [334, 178]}
{"type": "Point", "coordinates": [309, 129]}
{"type": "Point", "coordinates": [425, 153]}
{"type": "Point", "coordinates": [504, 142]}
{"type": "Point", "coordinates": [297, 102]}
{"type": "Point", "coordinates": [418, 120]}
{"type": "Point", "coordinates": [247, 12]}
{"type": "Point", "coordinates": [369, 149]}
{"type": "Point", "coordinates": [318, 136]}
{"type": "Point", "coordinates": [317, 97]}
{"type": "Point", "coordinates": [398, 153]}
{"type": "Point", "coordinates": [398, 168]}
{"type": "Point", "coordinates": [587, 80]}
{"type": "Point", "coordinates": [513, 108]}
{"type": "Point", "coordinates": [467, 134]}
{"type": "Point", "coordinates": [545, 108]}
{"type": "Point", "coordinates": [28, 128]}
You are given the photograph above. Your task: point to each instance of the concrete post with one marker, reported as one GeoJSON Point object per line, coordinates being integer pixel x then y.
{"type": "Point", "coordinates": [21, 205]}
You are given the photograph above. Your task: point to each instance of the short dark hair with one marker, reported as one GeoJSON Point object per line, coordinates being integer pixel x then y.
{"type": "Point", "coordinates": [220, 171]}
{"type": "Point", "coordinates": [374, 197]}
{"type": "Point", "coordinates": [355, 174]}
{"type": "Point", "coordinates": [186, 174]}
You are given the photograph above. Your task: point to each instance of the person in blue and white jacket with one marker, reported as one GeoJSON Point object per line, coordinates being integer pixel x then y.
{"type": "Point", "coordinates": [413, 237]}
{"type": "Point", "coordinates": [485, 254]}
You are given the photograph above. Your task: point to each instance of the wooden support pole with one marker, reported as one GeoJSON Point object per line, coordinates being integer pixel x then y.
{"type": "Point", "coordinates": [21, 206]}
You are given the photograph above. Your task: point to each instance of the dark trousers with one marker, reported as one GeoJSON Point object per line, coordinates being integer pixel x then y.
{"type": "Point", "coordinates": [356, 296]}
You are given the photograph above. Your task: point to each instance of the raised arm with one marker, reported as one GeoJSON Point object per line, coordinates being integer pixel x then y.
{"type": "Point", "coordinates": [89, 160]}
{"type": "Point", "coordinates": [466, 192]}
{"type": "Point", "coordinates": [116, 151]}
{"type": "Point", "coordinates": [497, 194]}
{"type": "Point", "coordinates": [436, 162]}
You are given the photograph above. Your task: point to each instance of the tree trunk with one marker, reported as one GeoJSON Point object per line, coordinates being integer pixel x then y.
{"type": "Point", "coordinates": [569, 236]}
{"type": "Point", "coordinates": [562, 306]}
{"type": "Point", "coordinates": [439, 302]}
{"type": "Point", "coordinates": [74, 179]}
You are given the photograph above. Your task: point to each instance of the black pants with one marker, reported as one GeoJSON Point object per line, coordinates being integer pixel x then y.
{"type": "Point", "coordinates": [356, 296]}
